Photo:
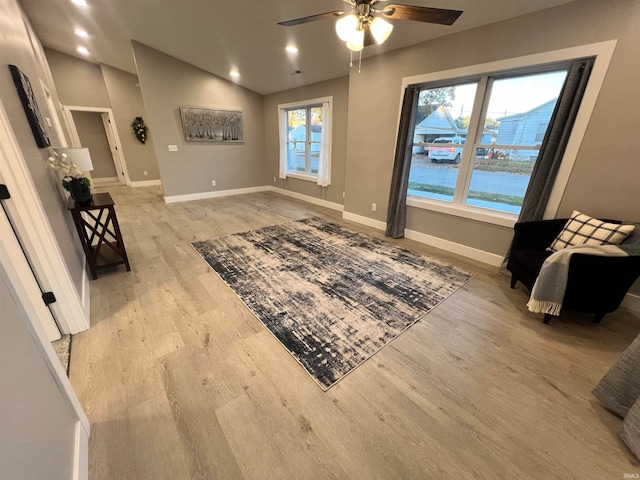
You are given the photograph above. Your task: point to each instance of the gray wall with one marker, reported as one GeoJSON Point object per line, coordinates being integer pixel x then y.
{"type": "Point", "coordinates": [339, 89]}
{"type": "Point", "coordinates": [168, 83]}
{"type": "Point", "coordinates": [126, 102]}
{"type": "Point", "coordinates": [604, 180]}
{"type": "Point", "coordinates": [37, 427]}
{"type": "Point", "coordinates": [93, 136]}
{"type": "Point", "coordinates": [79, 83]}
{"type": "Point", "coordinates": [85, 84]}
{"type": "Point", "coordinates": [16, 49]}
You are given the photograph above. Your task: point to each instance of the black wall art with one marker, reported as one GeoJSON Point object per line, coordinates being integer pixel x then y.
{"type": "Point", "coordinates": [28, 99]}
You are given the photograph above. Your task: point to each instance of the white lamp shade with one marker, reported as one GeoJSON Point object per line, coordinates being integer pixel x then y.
{"type": "Point", "coordinates": [78, 156]}
{"type": "Point", "coordinates": [356, 41]}
{"type": "Point", "coordinates": [346, 26]}
{"type": "Point", "coordinates": [380, 29]}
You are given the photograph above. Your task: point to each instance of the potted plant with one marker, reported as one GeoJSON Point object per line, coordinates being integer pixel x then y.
{"type": "Point", "coordinates": [73, 180]}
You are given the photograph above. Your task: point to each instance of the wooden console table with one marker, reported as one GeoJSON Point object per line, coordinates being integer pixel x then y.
{"type": "Point", "coordinates": [99, 233]}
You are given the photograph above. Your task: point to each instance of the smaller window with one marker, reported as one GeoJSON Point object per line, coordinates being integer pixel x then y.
{"type": "Point", "coordinates": [305, 134]}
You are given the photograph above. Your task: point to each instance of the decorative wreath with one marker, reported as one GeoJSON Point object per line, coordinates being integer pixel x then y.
{"type": "Point", "coordinates": [140, 129]}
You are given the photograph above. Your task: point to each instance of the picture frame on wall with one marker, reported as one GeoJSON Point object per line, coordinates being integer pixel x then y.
{"type": "Point", "coordinates": [30, 105]}
{"type": "Point", "coordinates": [207, 125]}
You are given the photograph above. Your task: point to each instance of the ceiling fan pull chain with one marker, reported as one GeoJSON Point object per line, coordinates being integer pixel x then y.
{"type": "Point", "coordinates": [351, 59]}
{"type": "Point", "coordinates": [360, 62]}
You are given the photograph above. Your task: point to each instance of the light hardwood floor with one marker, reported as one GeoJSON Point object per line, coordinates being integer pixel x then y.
{"type": "Point", "coordinates": [181, 381]}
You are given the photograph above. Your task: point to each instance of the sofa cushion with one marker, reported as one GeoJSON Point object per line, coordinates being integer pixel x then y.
{"type": "Point", "coordinates": [582, 229]}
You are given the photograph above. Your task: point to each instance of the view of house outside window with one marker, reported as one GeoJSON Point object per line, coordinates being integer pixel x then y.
{"type": "Point", "coordinates": [482, 155]}
{"type": "Point", "coordinates": [304, 136]}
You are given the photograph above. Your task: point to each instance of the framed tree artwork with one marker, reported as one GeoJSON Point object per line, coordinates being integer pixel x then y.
{"type": "Point", "coordinates": [205, 125]}
{"type": "Point", "coordinates": [28, 99]}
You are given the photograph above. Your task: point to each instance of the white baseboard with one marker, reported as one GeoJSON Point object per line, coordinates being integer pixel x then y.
{"type": "Point", "coordinates": [215, 194]}
{"type": "Point", "coordinates": [81, 453]}
{"type": "Point", "coordinates": [86, 292]}
{"type": "Point", "coordinates": [307, 198]}
{"type": "Point", "coordinates": [104, 181]}
{"type": "Point", "coordinates": [369, 222]}
{"type": "Point", "coordinates": [632, 302]}
{"type": "Point", "coordinates": [146, 183]}
{"type": "Point", "coordinates": [457, 248]}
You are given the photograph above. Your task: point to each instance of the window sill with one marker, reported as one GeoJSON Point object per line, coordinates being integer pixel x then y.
{"type": "Point", "coordinates": [472, 213]}
{"type": "Point", "coordinates": [303, 176]}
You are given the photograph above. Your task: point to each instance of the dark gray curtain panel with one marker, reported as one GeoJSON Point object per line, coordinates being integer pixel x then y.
{"type": "Point", "coordinates": [553, 145]}
{"type": "Point", "coordinates": [397, 213]}
{"type": "Point", "coordinates": [555, 141]}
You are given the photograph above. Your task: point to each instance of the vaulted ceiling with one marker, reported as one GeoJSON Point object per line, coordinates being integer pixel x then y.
{"type": "Point", "coordinates": [221, 35]}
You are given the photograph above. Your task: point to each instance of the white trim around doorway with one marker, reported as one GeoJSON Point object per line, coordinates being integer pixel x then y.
{"type": "Point", "coordinates": [75, 139]}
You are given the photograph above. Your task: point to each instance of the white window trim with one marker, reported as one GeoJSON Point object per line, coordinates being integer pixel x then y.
{"type": "Point", "coordinates": [304, 103]}
{"type": "Point", "coordinates": [303, 176]}
{"type": "Point", "coordinates": [602, 51]}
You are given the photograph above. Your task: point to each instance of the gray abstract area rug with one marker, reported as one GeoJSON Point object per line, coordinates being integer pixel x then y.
{"type": "Point", "coordinates": [331, 296]}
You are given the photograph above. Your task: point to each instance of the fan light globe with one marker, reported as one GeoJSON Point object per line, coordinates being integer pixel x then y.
{"type": "Point", "coordinates": [356, 41]}
{"type": "Point", "coordinates": [380, 29]}
{"type": "Point", "coordinates": [346, 26]}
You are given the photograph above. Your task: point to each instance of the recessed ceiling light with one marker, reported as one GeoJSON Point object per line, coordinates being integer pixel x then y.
{"type": "Point", "coordinates": [82, 50]}
{"type": "Point", "coordinates": [82, 3]}
{"type": "Point", "coordinates": [80, 32]}
{"type": "Point", "coordinates": [291, 49]}
{"type": "Point", "coordinates": [234, 73]}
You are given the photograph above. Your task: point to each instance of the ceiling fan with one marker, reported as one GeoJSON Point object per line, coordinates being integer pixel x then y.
{"type": "Point", "coordinates": [365, 24]}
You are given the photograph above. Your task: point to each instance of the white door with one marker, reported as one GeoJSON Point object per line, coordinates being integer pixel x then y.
{"type": "Point", "coordinates": [32, 227]}
{"type": "Point", "coordinates": [115, 153]}
{"type": "Point", "coordinates": [12, 244]}
{"type": "Point", "coordinates": [45, 431]}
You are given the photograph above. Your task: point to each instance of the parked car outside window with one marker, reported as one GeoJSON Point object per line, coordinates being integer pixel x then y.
{"type": "Point", "coordinates": [449, 154]}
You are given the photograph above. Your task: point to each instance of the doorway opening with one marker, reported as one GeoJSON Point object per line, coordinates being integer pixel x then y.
{"type": "Point", "coordinates": [94, 128]}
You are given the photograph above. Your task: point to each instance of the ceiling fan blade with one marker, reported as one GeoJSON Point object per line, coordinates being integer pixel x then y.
{"type": "Point", "coordinates": [421, 14]}
{"type": "Point", "coordinates": [311, 18]}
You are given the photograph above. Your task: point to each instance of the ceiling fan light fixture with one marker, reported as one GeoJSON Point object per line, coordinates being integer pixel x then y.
{"type": "Point", "coordinates": [380, 29]}
{"type": "Point", "coordinates": [355, 43]}
{"type": "Point", "coordinates": [346, 26]}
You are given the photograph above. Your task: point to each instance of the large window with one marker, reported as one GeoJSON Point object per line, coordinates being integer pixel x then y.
{"type": "Point", "coordinates": [305, 140]}
{"type": "Point", "coordinates": [476, 141]}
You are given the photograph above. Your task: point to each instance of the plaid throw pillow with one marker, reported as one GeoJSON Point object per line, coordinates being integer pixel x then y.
{"type": "Point", "coordinates": [582, 229]}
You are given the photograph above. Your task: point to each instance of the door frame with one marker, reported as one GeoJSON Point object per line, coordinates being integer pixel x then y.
{"type": "Point", "coordinates": [55, 121]}
{"type": "Point", "coordinates": [33, 228]}
{"type": "Point", "coordinates": [120, 164]}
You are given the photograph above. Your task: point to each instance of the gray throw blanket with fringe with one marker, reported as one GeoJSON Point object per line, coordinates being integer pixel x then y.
{"type": "Point", "coordinates": [548, 291]}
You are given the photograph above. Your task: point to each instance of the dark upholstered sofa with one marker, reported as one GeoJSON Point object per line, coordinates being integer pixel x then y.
{"type": "Point", "coordinates": [596, 284]}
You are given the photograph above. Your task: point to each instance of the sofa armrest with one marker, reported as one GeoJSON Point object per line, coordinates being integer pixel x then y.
{"type": "Point", "coordinates": [598, 282]}
{"type": "Point", "coordinates": [537, 234]}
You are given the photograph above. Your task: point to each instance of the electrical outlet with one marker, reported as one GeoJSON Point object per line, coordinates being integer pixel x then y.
{"type": "Point", "coordinates": [374, 207]}
{"type": "Point", "coordinates": [275, 179]}
{"type": "Point", "coordinates": [173, 148]}
{"type": "Point", "coordinates": [213, 182]}
{"type": "Point", "coordinates": [145, 173]}
{"type": "Point", "coordinates": [343, 194]}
